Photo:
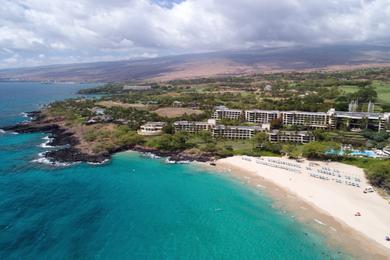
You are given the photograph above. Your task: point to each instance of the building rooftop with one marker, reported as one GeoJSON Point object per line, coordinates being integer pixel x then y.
{"type": "Point", "coordinates": [290, 132]}
{"type": "Point", "coordinates": [305, 112]}
{"type": "Point", "coordinates": [239, 127]}
{"type": "Point", "coordinates": [190, 122]}
{"type": "Point", "coordinates": [155, 124]}
{"type": "Point", "coordinates": [226, 109]}
{"type": "Point", "coordinates": [262, 111]}
{"type": "Point", "coordinates": [358, 114]}
{"type": "Point", "coordinates": [282, 111]}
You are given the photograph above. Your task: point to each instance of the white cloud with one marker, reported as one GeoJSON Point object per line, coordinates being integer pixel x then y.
{"type": "Point", "coordinates": [88, 30]}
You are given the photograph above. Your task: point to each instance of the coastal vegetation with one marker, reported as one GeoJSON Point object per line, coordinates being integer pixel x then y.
{"type": "Point", "coordinates": [379, 174]}
{"type": "Point", "coordinates": [103, 139]}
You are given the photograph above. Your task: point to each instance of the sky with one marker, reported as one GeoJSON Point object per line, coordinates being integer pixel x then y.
{"type": "Point", "coordinates": [42, 32]}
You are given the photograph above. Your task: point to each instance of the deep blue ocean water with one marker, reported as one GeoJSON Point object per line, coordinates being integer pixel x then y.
{"type": "Point", "coordinates": [132, 207]}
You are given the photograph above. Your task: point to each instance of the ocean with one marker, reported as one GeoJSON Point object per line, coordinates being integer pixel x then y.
{"type": "Point", "coordinates": [132, 207]}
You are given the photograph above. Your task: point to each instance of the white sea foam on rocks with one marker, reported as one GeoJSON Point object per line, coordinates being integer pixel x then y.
{"type": "Point", "coordinates": [24, 114]}
{"type": "Point", "coordinates": [99, 163]}
{"type": "Point", "coordinates": [42, 159]}
{"type": "Point", "coordinates": [46, 143]}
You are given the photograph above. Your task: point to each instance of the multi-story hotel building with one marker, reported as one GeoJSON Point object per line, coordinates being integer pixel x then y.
{"type": "Point", "coordinates": [235, 132]}
{"type": "Point", "coordinates": [290, 137]}
{"type": "Point", "coordinates": [222, 112]}
{"type": "Point", "coordinates": [315, 120]}
{"type": "Point", "coordinates": [261, 116]}
{"type": "Point", "coordinates": [194, 127]}
{"type": "Point", "coordinates": [361, 120]}
{"type": "Point", "coordinates": [311, 119]}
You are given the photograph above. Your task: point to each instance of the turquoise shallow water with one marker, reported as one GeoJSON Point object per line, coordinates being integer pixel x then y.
{"type": "Point", "coordinates": [134, 208]}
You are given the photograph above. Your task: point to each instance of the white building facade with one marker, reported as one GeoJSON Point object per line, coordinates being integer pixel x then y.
{"type": "Point", "coordinates": [151, 128]}
{"type": "Point", "coordinates": [222, 112]}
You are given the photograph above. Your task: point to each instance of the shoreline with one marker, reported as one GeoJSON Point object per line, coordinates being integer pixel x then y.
{"type": "Point", "coordinates": [67, 143]}
{"type": "Point", "coordinates": [338, 233]}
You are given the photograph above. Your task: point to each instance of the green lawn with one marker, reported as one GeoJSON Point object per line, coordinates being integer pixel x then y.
{"type": "Point", "coordinates": [348, 89]}
{"type": "Point", "coordinates": [383, 90]}
{"type": "Point", "coordinates": [241, 147]}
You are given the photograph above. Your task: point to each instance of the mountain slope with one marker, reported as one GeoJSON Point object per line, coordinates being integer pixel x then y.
{"type": "Point", "coordinates": [209, 64]}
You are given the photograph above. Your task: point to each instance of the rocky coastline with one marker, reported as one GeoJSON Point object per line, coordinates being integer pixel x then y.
{"type": "Point", "coordinates": [67, 142]}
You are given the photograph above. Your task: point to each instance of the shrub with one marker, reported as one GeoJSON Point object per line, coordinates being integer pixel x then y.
{"type": "Point", "coordinates": [379, 174]}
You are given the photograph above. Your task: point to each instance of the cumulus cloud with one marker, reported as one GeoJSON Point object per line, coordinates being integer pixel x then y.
{"type": "Point", "coordinates": [34, 32]}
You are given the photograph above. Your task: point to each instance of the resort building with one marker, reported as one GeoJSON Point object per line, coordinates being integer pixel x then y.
{"type": "Point", "coordinates": [151, 128]}
{"type": "Point", "coordinates": [261, 116]}
{"type": "Point", "coordinates": [300, 137]}
{"type": "Point", "coordinates": [314, 120]}
{"type": "Point", "coordinates": [194, 127]}
{"type": "Point", "coordinates": [222, 112]}
{"type": "Point", "coordinates": [235, 132]}
{"type": "Point", "coordinates": [361, 120]}
{"type": "Point", "coordinates": [384, 122]}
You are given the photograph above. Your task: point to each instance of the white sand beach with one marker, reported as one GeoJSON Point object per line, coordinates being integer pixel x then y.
{"type": "Point", "coordinates": [333, 188]}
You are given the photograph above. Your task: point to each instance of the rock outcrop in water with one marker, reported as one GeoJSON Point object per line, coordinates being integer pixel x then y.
{"type": "Point", "coordinates": [60, 137]}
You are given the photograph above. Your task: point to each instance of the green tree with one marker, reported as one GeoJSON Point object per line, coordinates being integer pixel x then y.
{"type": "Point", "coordinates": [291, 151]}
{"type": "Point", "coordinates": [322, 135]}
{"type": "Point", "coordinates": [287, 149]}
{"type": "Point", "coordinates": [317, 150]}
{"type": "Point", "coordinates": [379, 174]}
{"type": "Point", "coordinates": [365, 94]}
{"type": "Point", "coordinates": [164, 142]}
{"type": "Point", "coordinates": [259, 139]}
{"type": "Point", "coordinates": [168, 129]}
{"type": "Point", "coordinates": [210, 147]}
{"type": "Point", "coordinates": [295, 153]}
{"type": "Point", "coordinates": [206, 136]}
{"type": "Point", "coordinates": [180, 141]}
